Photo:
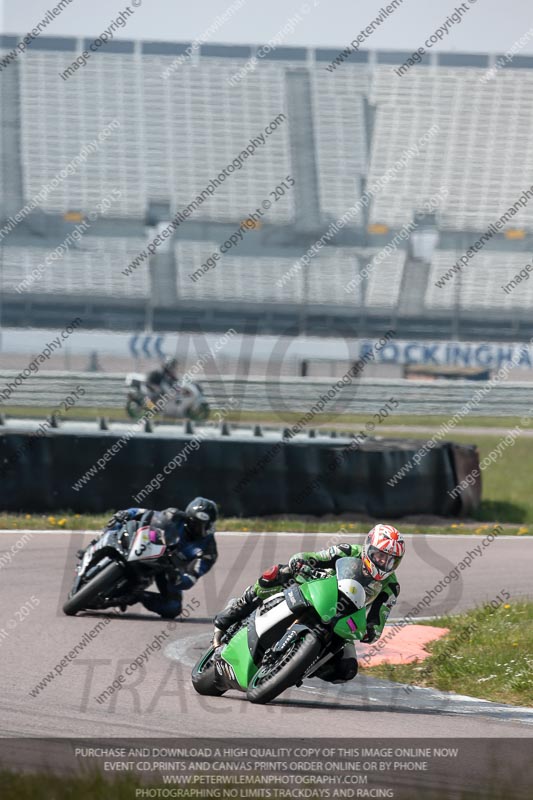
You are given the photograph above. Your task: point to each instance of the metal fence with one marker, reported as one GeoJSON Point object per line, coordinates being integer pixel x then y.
{"type": "Point", "coordinates": [364, 396]}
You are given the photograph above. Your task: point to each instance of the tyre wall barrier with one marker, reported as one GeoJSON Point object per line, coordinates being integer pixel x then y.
{"type": "Point", "coordinates": [247, 475]}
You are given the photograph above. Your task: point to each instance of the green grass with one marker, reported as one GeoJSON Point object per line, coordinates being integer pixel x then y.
{"type": "Point", "coordinates": [506, 483]}
{"type": "Point", "coordinates": [395, 420]}
{"type": "Point", "coordinates": [277, 418]}
{"type": "Point", "coordinates": [94, 522]}
{"type": "Point", "coordinates": [487, 654]}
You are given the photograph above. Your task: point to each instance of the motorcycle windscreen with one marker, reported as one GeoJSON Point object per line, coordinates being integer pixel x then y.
{"type": "Point", "coordinates": [352, 599]}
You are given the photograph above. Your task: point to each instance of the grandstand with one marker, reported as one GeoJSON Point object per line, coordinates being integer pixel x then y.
{"type": "Point", "coordinates": [159, 136]}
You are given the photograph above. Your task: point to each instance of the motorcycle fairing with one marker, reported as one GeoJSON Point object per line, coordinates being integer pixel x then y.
{"type": "Point", "coordinates": [142, 548]}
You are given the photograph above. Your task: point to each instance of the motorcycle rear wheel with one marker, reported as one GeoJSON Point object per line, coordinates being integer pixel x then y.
{"type": "Point", "coordinates": [100, 584]}
{"type": "Point", "coordinates": [287, 671]}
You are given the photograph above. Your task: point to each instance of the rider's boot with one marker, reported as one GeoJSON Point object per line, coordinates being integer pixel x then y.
{"type": "Point", "coordinates": [238, 608]}
{"type": "Point", "coordinates": [341, 668]}
{"type": "Point", "coordinates": [271, 581]}
{"type": "Point", "coordinates": [168, 607]}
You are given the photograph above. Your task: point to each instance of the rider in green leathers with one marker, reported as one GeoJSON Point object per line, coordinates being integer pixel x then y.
{"type": "Point", "coordinates": [380, 556]}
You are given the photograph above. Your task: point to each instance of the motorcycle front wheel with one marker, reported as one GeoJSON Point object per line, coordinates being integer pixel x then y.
{"type": "Point", "coordinates": [135, 407]}
{"type": "Point", "coordinates": [204, 677]}
{"type": "Point", "coordinates": [89, 593]}
{"type": "Point", "coordinates": [201, 413]}
{"type": "Point", "coordinates": [286, 671]}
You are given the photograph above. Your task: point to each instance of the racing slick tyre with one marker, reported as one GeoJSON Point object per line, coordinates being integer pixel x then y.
{"type": "Point", "coordinates": [135, 407]}
{"type": "Point", "coordinates": [201, 413]}
{"type": "Point", "coordinates": [204, 676]}
{"type": "Point", "coordinates": [101, 584]}
{"type": "Point", "coordinates": [270, 682]}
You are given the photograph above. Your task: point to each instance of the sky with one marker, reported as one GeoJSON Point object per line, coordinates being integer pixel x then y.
{"type": "Point", "coordinates": [488, 25]}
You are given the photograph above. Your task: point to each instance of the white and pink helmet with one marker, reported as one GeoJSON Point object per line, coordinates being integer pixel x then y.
{"type": "Point", "coordinates": [383, 550]}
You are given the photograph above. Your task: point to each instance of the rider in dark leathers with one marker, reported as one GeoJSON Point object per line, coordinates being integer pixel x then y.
{"type": "Point", "coordinates": [162, 380]}
{"type": "Point", "coordinates": [192, 551]}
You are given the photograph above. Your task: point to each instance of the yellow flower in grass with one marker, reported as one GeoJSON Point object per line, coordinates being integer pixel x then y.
{"type": "Point", "coordinates": [28, 516]}
{"type": "Point", "coordinates": [521, 531]}
{"type": "Point", "coordinates": [52, 520]}
{"type": "Point", "coordinates": [61, 522]}
{"type": "Point", "coordinates": [454, 525]}
{"type": "Point", "coordinates": [507, 605]}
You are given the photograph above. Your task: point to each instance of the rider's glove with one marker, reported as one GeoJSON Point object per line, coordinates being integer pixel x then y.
{"type": "Point", "coordinates": [118, 519]}
{"type": "Point", "coordinates": [370, 635]}
{"type": "Point", "coordinates": [300, 568]}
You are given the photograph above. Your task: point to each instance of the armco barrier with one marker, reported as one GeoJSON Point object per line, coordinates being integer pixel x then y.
{"type": "Point", "coordinates": [247, 475]}
{"type": "Point", "coordinates": [364, 396]}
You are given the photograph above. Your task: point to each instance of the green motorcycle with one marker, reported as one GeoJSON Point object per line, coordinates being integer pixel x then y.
{"type": "Point", "coordinates": [288, 638]}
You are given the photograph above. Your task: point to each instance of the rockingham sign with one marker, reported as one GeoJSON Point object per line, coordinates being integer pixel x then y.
{"type": "Point", "coordinates": [487, 355]}
{"type": "Point", "coordinates": [483, 355]}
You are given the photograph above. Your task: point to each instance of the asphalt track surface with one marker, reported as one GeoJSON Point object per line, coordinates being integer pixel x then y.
{"type": "Point", "coordinates": [158, 699]}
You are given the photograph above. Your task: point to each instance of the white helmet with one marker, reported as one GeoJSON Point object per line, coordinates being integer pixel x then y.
{"type": "Point", "coordinates": [383, 551]}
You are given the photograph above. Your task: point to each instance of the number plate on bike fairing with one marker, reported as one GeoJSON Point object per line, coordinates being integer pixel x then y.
{"type": "Point", "coordinates": [143, 549]}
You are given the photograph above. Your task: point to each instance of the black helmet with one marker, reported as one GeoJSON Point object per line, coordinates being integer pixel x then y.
{"type": "Point", "coordinates": [171, 365]}
{"type": "Point", "coordinates": [201, 517]}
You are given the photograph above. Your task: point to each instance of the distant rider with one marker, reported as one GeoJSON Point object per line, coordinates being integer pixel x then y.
{"type": "Point", "coordinates": [191, 549]}
{"type": "Point", "coordinates": [164, 382]}
{"type": "Point", "coordinates": [380, 555]}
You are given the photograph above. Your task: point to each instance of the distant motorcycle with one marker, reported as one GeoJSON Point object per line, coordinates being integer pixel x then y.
{"type": "Point", "coordinates": [188, 403]}
{"type": "Point", "coordinates": [117, 568]}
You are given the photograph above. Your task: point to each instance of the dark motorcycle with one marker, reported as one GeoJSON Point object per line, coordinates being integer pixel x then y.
{"type": "Point", "coordinates": [117, 568]}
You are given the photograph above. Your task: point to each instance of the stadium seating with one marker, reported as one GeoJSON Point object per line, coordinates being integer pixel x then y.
{"type": "Point", "coordinates": [197, 123]}
{"type": "Point", "coordinates": [175, 134]}
{"type": "Point", "coordinates": [479, 285]}
{"type": "Point", "coordinates": [93, 268]}
{"type": "Point", "coordinates": [482, 152]}
{"type": "Point", "coordinates": [385, 280]}
{"type": "Point", "coordinates": [187, 128]}
{"type": "Point", "coordinates": [60, 117]}
{"type": "Point", "coordinates": [254, 279]}
{"type": "Point", "coordinates": [260, 279]}
{"type": "Point", "coordinates": [193, 123]}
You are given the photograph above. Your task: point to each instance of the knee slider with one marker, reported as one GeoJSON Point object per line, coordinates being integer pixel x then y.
{"type": "Point", "coordinates": [270, 577]}
{"type": "Point", "coordinates": [348, 668]}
